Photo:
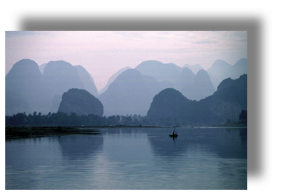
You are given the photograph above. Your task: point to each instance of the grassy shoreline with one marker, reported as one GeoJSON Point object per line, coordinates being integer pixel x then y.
{"type": "Point", "coordinates": [16, 132]}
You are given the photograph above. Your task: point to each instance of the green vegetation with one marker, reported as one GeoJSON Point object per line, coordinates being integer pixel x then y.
{"type": "Point", "coordinates": [63, 119]}
{"type": "Point", "coordinates": [39, 131]}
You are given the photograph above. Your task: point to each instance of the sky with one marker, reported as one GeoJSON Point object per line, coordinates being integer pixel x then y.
{"type": "Point", "coordinates": [103, 53]}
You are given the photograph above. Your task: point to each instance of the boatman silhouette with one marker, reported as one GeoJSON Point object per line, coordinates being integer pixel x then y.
{"type": "Point", "coordinates": [174, 132]}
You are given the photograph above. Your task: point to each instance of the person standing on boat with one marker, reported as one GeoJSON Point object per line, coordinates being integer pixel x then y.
{"type": "Point", "coordinates": [174, 133]}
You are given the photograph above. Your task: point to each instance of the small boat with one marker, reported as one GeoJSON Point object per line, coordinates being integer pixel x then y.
{"type": "Point", "coordinates": [174, 134]}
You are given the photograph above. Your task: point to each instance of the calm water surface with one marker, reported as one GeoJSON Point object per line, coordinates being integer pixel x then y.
{"type": "Point", "coordinates": [200, 158]}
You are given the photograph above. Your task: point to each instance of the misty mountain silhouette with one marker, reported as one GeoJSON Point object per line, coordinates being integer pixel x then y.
{"type": "Point", "coordinates": [193, 68]}
{"type": "Point", "coordinates": [15, 103]}
{"type": "Point", "coordinates": [186, 78]}
{"type": "Point", "coordinates": [59, 77]}
{"type": "Point", "coordinates": [41, 67]}
{"type": "Point", "coordinates": [85, 77]}
{"type": "Point", "coordinates": [200, 87]}
{"type": "Point", "coordinates": [160, 71]}
{"type": "Point", "coordinates": [229, 99]}
{"type": "Point", "coordinates": [241, 82]}
{"type": "Point", "coordinates": [132, 91]}
{"type": "Point", "coordinates": [169, 103]}
{"type": "Point", "coordinates": [28, 90]}
{"type": "Point", "coordinates": [225, 104]}
{"type": "Point", "coordinates": [129, 93]}
{"type": "Point", "coordinates": [194, 87]}
{"type": "Point", "coordinates": [112, 78]}
{"type": "Point", "coordinates": [87, 80]}
{"type": "Point", "coordinates": [221, 70]}
{"type": "Point", "coordinates": [203, 85]}
{"type": "Point", "coordinates": [23, 85]}
{"type": "Point", "coordinates": [81, 102]}
{"type": "Point", "coordinates": [239, 68]}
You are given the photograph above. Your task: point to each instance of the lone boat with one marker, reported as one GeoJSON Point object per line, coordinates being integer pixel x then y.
{"type": "Point", "coordinates": [174, 134]}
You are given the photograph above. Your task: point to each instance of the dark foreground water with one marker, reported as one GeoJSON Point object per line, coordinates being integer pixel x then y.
{"type": "Point", "coordinates": [200, 158]}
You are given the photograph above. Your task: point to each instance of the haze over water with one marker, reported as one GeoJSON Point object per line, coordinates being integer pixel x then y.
{"type": "Point", "coordinates": [200, 158]}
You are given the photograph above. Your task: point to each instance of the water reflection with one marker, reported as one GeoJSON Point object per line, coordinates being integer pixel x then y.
{"type": "Point", "coordinates": [243, 135]}
{"type": "Point", "coordinates": [163, 145]}
{"type": "Point", "coordinates": [76, 147]}
{"type": "Point", "coordinates": [212, 158]}
{"type": "Point", "coordinates": [25, 154]}
{"type": "Point", "coordinates": [130, 159]}
{"type": "Point", "coordinates": [226, 143]}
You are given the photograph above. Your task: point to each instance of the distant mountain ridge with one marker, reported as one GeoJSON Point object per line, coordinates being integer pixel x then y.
{"type": "Point", "coordinates": [129, 93]}
{"type": "Point", "coordinates": [169, 103]}
{"type": "Point", "coordinates": [80, 102]}
{"type": "Point", "coordinates": [87, 80]}
{"type": "Point", "coordinates": [31, 88]}
{"type": "Point", "coordinates": [60, 76]}
{"type": "Point", "coordinates": [132, 91]}
{"type": "Point", "coordinates": [23, 86]}
{"type": "Point", "coordinates": [112, 78]}
{"type": "Point", "coordinates": [41, 67]}
{"type": "Point", "coordinates": [221, 70]}
{"type": "Point", "coordinates": [37, 92]}
{"type": "Point", "coordinates": [160, 71]}
{"type": "Point", "coordinates": [239, 68]}
{"type": "Point", "coordinates": [225, 104]}
{"type": "Point", "coordinates": [193, 68]}
{"type": "Point", "coordinates": [183, 79]}
{"type": "Point", "coordinates": [203, 85]}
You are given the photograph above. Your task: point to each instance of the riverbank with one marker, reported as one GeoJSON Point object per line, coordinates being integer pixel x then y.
{"type": "Point", "coordinates": [236, 125]}
{"type": "Point", "coordinates": [16, 132]}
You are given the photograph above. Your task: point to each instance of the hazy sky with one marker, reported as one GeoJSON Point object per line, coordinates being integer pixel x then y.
{"type": "Point", "coordinates": [102, 53]}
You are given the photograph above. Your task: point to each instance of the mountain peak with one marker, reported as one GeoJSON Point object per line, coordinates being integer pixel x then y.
{"type": "Point", "coordinates": [160, 71]}
{"type": "Point", "coordinates": [194, 68]}
{"type": "Point", "coordinates": [202, 72]}
{"type": "Point", "coordinates": [167, 103]}
{"type": "Point", "coordinates": [219, 67]}
{"type": "Point", "coordinates": [24, 66]}
{"type": "Point", "coordinates": [219, 64]}
{"type": "Point", "coordinates": [25, 62]}
{"type": "Point", "coordinates": [55, 67]}
{"type": "Point", "coordinates": [112, 78]}
{"type": "Point", "coordinates": [24, 80]}
{"type": "Point", "coordinates": [226, 103]}
{"type": "Point", "coordinates": [81, 102]}
{"type": "Point", "coordinates": [203, 85]}
{"type": "Point", "coordinates": [129, 75]}
{"type": "Point", "coordinates": [130, 93]}
{"type": "Point", "coordinates": [241, 81]}
{"type": "Point", "coordinates": [242, 60]}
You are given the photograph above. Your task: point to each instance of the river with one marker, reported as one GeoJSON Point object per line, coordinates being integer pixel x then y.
{"type": "Point", "coordinates": [130, 159]}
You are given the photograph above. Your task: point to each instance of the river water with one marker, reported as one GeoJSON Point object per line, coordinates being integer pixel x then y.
{"type": "Point", "coordinates": [135, 159]}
